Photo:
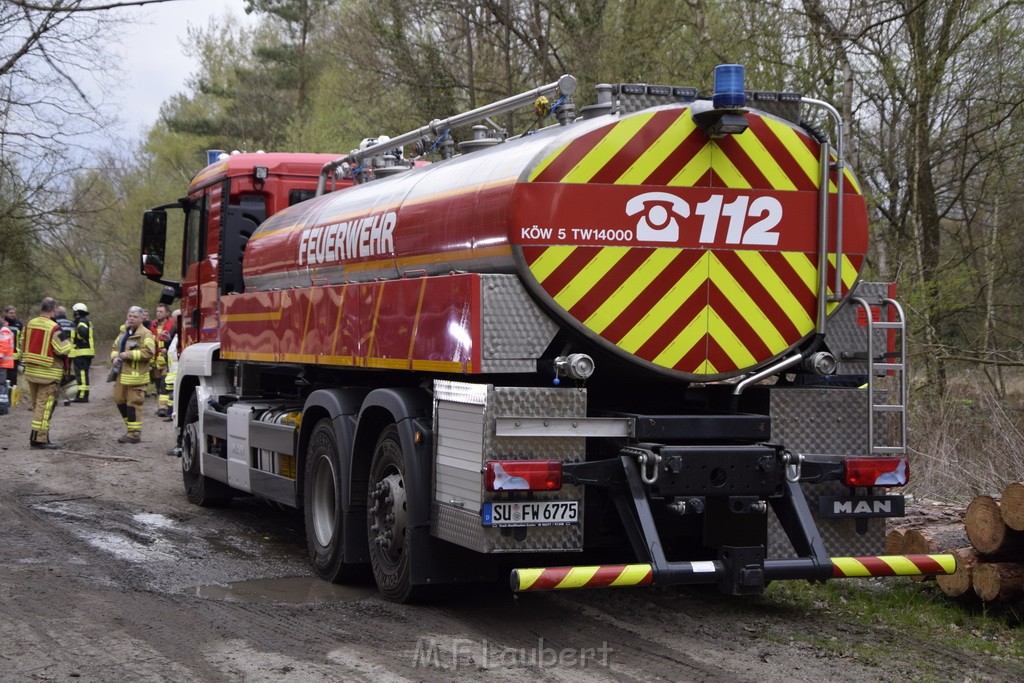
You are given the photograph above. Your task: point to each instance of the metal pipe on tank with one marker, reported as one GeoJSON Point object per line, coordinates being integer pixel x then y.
{"type": "Point", "coordinates": [566, 85]}
{"type": "Point", "coordinates": [840, 165]}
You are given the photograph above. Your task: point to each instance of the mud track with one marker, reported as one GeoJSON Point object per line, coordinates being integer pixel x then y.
{"type": "Point", "coordinates": [109, 574]}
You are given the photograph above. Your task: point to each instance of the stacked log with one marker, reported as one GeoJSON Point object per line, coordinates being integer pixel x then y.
{"type": "Point", "coordinates": [991, 566]}
{"type": "Point", "coordinates": [959, 584]}
{"type": "Point", "coordinates": [919, 520]}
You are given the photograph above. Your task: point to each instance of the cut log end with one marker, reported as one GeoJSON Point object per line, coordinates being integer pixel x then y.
{"type": "Point", "coordinates": [959, 583]}
{"type": "Point", "coordinates": [1012, 505]}
{"type": "Point", "coordinates": [999, 581]}
{"type": "Point", "coordinates": [987, 531]}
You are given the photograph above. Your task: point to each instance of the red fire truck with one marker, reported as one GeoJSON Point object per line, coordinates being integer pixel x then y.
{"type": "Point", "coordinates": [629, 346]}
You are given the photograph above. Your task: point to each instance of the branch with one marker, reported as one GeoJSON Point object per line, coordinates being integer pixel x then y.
{"type": "Point", "coordinates": [94, 8]}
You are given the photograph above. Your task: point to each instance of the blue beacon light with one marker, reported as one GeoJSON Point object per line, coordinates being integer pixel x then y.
{"type": "Point", "coordinates": [729, 89]}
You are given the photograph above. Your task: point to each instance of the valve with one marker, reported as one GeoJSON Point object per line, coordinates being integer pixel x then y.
{"type": "Point", "coordinates": [821, 363]}
{"type": "Point", "coordinates": [575, 365]}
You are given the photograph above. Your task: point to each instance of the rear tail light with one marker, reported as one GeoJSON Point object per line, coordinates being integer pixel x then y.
{"type": "Point", "coordinates": [876, 472]}
{"type": "Point", "coordinates": [523, 475]}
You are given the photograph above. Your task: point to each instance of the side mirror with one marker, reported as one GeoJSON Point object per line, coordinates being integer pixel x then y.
{"type": "Point", "coordinates": [154, 244]}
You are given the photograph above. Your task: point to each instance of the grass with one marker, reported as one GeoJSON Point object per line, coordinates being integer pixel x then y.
{"type": "Point", "coordinates": [903, 606]}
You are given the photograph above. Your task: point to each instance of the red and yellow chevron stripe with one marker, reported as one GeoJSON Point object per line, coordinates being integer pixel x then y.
{"type": "Point", "coordinates": [734, 285]}
{"type": "Point", "coordinates": [620, 575]}
{"type": "Point", "coordinates": [606, 576]}
{"type": "Point", "coordinates": [892, 565]}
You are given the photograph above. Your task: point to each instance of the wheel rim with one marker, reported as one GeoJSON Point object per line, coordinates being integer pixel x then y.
{"type": "Point", "coordinates": [324, 504]}
{"type": "Point", "coordinates": [190, 448]}
{"type": "Point", "coordinates": [388, 516]}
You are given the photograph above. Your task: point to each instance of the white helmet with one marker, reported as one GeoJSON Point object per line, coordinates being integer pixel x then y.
{"type": "Point", "coordinates": [80, 307]}
{"type": "Point", "coordinates": [69, 387]}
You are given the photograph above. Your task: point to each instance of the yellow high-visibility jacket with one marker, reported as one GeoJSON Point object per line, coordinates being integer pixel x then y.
{"type": "Point", "coordinates": [141, 347]}
{"type": "Point", "coordinates": [43, 350]}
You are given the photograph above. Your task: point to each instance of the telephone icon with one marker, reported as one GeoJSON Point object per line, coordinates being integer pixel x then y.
{"type": "Point", "coordinates": [659, 214]}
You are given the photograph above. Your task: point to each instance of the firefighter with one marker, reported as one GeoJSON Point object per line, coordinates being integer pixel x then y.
{"type": "Point", "coordinates": [43, 352]}
{"type": "Point", "coordinates": [172, 364]}
{"type": "Point", "coordinates": [83, 351]}
{"type": "Point", "coordinates": [6, 364]}
{"type": "Point", "coordinates": [133, 349]}
{"type": "Point", "coordinates": [69, 328]}
{"type": "Point", "coordinates": [16, 326]}
{"type": "Point", "coordinates": [162, 328]}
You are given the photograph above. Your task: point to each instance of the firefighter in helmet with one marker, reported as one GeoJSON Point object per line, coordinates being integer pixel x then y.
{"type": "Point", "coordinates": [162, 329]}
{"type": "Point", "coordinates": [44, 351]}
{"type": "Point", "coordinates": [133, 349]}
{"type": "Point", "coordinates": [83, 351]}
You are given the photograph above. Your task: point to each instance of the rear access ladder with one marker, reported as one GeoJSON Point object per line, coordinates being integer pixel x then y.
{"type": "Point", "coordinates": [891, 361]}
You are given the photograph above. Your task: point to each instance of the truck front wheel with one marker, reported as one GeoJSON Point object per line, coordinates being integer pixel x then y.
{"type": "Point", "coordinates": [322, 506]}
{"type": "Point", "coordinates": [199, 489]}
{"type": "Point", "coordinates": [387, 520]}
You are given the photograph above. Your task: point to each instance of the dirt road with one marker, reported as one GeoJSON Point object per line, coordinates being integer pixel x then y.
{"type": "Point", "coordinates": [109, 574]}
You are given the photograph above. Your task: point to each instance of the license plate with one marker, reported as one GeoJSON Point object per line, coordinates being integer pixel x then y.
{"type": "Point", "coordinates": [531, 513]}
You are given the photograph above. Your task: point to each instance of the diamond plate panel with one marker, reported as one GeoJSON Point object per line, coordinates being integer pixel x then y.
{"type": "Point", "coordinates": [457, 510]}
{"type": "Point", "coordinates": [841, 536]}
{"type": "Point", "coordinates": [824, 421]}
{"type": "Point", "coordinates": [821, 420]}
{"type": "Point", "coordinates": [515, 330]}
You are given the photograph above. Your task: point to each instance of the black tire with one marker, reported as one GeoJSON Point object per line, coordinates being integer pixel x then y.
{"type": "Point", "coordinates": [199, 489]}
{"type": "Point", "coordinates": [322, 507]}
{"type": "Point", "coordinates": [387, 521]}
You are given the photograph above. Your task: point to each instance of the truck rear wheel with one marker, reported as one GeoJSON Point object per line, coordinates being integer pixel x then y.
{"type": "Point", "coordinates": [322, 507]}
{"type": "Point", "coordinates": [199, 489]}
{"type": "Point", "coordinates": [387, 520]}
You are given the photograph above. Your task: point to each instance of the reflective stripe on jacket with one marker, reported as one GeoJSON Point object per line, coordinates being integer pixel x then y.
{"type": "Point", "coordinates": [43, 349]}
{"type": "Point", "coordinates": [141, 348]}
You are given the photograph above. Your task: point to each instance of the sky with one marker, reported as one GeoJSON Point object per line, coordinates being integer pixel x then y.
{"type": "Point", "coordinates": [157, 66]}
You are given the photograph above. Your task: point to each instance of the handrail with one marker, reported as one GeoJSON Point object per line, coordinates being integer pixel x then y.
{"type": "Point", "coordinates": [840, 173]}
{"type": "Point", "coordinates": [566, 86]}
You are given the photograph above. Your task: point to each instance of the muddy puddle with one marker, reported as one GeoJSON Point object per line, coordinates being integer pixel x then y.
{"type": "Point", "coordinates": [290, 589]}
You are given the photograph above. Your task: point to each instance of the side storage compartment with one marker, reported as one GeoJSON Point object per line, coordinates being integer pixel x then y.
{"type": "Point", "coordinates": [466, 436]}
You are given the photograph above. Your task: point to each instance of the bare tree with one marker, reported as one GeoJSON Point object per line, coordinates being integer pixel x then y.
{"type": "Point", "coordinates": [54, 60]}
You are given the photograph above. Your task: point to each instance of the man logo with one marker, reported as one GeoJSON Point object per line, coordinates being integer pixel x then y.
{"type": "Point", "coordinates": [861, 507]}
{"type": "Point", "coordinates": [658, 216]}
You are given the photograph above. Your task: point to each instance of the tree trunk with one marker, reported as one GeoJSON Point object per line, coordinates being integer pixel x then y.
{"type": "Point", "coordinates": [959, 582]}
{"type": "Point", "coordinates": [999, 581]}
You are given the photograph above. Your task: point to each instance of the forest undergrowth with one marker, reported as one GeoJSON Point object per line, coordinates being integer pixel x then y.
{"type": "Point", "coordinates": [965, 442]}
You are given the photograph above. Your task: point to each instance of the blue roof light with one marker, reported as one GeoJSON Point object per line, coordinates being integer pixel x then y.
{"type": "Point", "coordinates": [729, 89]}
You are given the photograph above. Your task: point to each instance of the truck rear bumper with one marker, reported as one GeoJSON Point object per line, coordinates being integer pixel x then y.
{"type": "Point", "coordinates": [718, 571]}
